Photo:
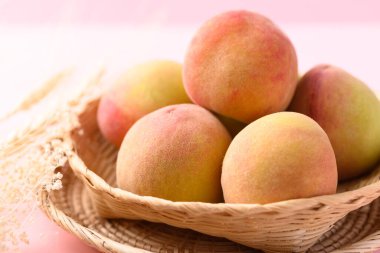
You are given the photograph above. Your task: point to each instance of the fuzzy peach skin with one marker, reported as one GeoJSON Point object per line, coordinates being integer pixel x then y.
{"type": "Point", "coordinates": [175, 153]}
{"type": "Point", "coordinates": [141, 90]}
{"type": "Point", "coordinates": [348, 111]}
{"type": "Point", "coordinates": [280, 156]}
{"type": "Point", "coordinates": [241, 65]}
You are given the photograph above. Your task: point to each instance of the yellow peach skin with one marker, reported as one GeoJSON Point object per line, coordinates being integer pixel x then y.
{"type": "Point", "coordinates": [141, 90]}
{"type": "Point", "coordinates": [240, 65]}
{"type": "Point", "coordinates": [348, 111]}
{"type": "Point", "coordinates": [174, 153]}
{"type": "Point", "coordinates": [280, 156]}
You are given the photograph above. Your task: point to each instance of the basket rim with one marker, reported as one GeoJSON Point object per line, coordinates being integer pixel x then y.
{"type": "Point", "coordinates": [350, 197]}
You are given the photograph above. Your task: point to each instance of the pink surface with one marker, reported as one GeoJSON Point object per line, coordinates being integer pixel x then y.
{"type": "Point", "coordinates": [46, 236]}
{"type": "Point", "coordinates": [171, 12]}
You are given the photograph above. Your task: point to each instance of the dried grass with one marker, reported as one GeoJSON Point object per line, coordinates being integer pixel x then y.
{"type": "Point", "coordinates": [30, 156]}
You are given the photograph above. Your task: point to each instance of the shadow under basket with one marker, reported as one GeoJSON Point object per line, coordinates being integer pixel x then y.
{"type": "Point", "coordinates": [287, 226]}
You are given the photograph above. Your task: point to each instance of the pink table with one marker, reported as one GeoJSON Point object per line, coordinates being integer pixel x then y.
{"type": "Point", "coordinates": [45, 235]}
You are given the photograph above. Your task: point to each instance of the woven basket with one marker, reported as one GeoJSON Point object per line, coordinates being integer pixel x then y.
{"type": "Point", "coordinates": [72, 209]}
{"type": "Point", "coordinates": [320, 224]}
{"type": "Point", "coordinates": [288, 226]}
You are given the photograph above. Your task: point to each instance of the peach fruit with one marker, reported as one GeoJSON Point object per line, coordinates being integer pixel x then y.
{"type": "Point", "coordinates": [280, 156]}
{"type": "Point", "coordinates": [348, 111]}
{"type": "Point", "coordinates": [175, 153]}
{"type": "Point", "coordinates": [141, 90]}
{"type": "Point", "coordinates": [240, 65]}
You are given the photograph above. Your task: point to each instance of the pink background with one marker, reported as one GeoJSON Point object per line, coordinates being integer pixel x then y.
{"type": "Point", "coordinates": [41, 37]}
{"type": "Point", "coordinates": [178, 13]}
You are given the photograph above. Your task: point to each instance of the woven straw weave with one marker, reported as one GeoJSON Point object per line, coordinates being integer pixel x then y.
{"type": "Point", "coordinates": [290, 226]}
{"type": "Point", "coordinates": [73, 210]}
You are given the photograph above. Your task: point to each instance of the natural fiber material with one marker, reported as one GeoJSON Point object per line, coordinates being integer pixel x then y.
{"type": "Point", "coordinates": [31, 148]}
{"type": "Point", "coordinates": [19, 151]}
{"type": "Point", "coordinates": [73, 210]}
{"type": "Point", "coordinates": [292, 226]}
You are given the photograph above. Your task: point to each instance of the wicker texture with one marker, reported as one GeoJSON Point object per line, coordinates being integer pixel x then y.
{"type": "Point", "coordinates": [288, 226]}
{"type": "Point", "coordinates": [73, 210]}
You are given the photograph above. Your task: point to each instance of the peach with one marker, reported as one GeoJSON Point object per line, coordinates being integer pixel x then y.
{"type": "Point", "coordinates": [240, 65]}
{"type": "Point", "coordinates": [278, 157]}
{"type": "Point", "coordinates": [175, 153]}
{"type": "Point", "coordinates": [348, 111]}
{"type": "Point", "coordinates": [141, 90]}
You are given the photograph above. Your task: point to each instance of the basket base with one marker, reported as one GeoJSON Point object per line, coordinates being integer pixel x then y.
{"type": "Point", "coordinates": [72, 209]}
